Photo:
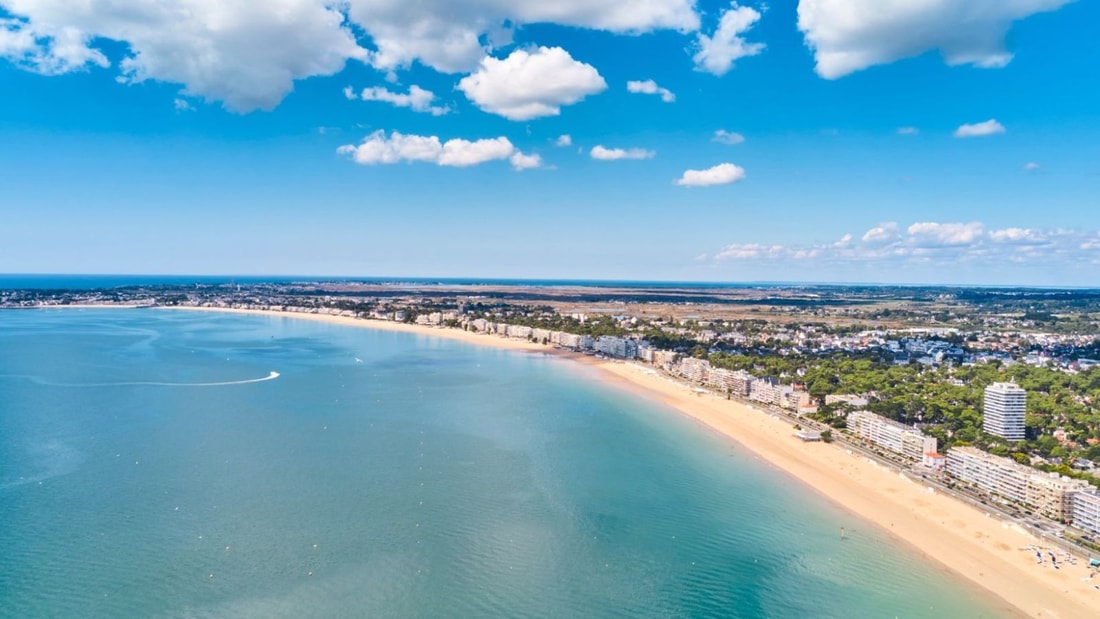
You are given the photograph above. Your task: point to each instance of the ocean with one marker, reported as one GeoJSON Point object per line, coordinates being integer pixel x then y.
{"type": "Point", "coordinates": [160, 463]}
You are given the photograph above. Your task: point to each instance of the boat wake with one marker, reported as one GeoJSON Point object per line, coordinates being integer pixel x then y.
{"type": "Point", "coordinates": [272, 376]}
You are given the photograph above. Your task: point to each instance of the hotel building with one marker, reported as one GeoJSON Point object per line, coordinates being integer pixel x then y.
{"type": "Point", "coordinates": [1005, 407]}
{"type": "Point", "coordinates": [889, 434]}
{"type": "Point", "coordinates": [1086, 510]}
{"type": "Point", "coordinates": [1047, 494]}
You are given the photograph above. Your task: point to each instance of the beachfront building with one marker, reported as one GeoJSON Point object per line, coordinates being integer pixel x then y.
{"type": "Point", "coordinates": [889, 434]}
{"type": "Point", "coordinates": [619, 347]}
{"type": "Point", "coordinates": [1047, 494]}
{"type": "Point", "coordinates": [1005, 406]}
{"type": "Point", "coordinates": [574, 341]}
{"type": "Point", "coordinates": [769, 391]}
{"type": "Point", "coordinates": [798, 400]}
{"type": "Point", "coordinates": [665, 359]}
{"type": "Point", "coordinates": [1051, 494]}
{"type": "Point", "coordinates": [1000, 476]}
{"type": "Point", "coordinates": [694, 370]}
{"type": "Point", "coordinates": [741, 382]}
{"type": "Point", "coordinates": [735, 382]}
{"type": "Point", "coordinates": [1086, 510]}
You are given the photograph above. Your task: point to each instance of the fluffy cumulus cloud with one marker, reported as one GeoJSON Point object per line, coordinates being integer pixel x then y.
{"type": "Point", "coordinates": [718, 52]}
{"type": "Point", "coordinates": [613, 154]}
{"type": "Point", "coordinates": [378, 148]}
{"type": "Point", "coordinates": [248, 54]}
{"type": "Point", "coordinates": [453, 35]}
{"type": "Point", "coordinates": [417, 99]}
{"type": "Point", "coordinates": [564, 140]}
{"type": "Point", "coordinates": [531, 84]}
{"type": "Point", "coordinates": [650, 87]}
{"type": "Point", "coordinates": [721, 174]}
{"type": "Point", "coordinates": [851, 35]}
{"type": "Point", "coordinates": [933, 234]}
{"type": "Point", "coordinates": [978, 130]}
{"type": "Point", "coordinates": [727, 137]}
{"type": "Point", "coordinates": [882, 233]}
{"type": "Point", "coordinates": [946, 244]}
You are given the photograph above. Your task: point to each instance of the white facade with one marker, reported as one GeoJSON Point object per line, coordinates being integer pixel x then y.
{"type": "Point", "coordinates": [889, 434]}
{"type": "Point", "coordinates": [1086, 511]}
{"type": "Point", "coordinates": [1048, 494]}
{"type": "Point", "coordinates": [1005, 407]}
{"type": "Point", "coordinates": [694, 369]}
{"type": "Point", "coordinates": [621, 347]}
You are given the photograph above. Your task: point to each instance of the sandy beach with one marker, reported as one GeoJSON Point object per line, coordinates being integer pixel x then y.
{"type": "Point", "coordinates": [960, 538]}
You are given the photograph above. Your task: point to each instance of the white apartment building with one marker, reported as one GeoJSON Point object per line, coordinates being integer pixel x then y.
{"type": "Point", "coordinates": [1047, 494]}
{"type": "Point", "coordinates": [889, 434]}
{"type": "Point", "coordinates": [694, 369]}
{"type": "Point", "coordinates": [736, 382]}
{"type": "Point", "coordinates": [1005, 406]}
{"type": "Point", "coordinates": [769, 391]}
{"type": "Point", "coordinates": [665, 358]}
{"type": "Point", "coordinates": [620, 347]}
{"type": "Point", "coordinates": [1052, 494]}
{"type": "Point", "coordinates": [1000, 476]}
{"type": "Point", "coordinates": [741, 382]}
{"type": "Point", "coordinates": [1086, 510]}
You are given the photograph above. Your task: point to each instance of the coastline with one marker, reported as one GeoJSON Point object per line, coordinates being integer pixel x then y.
{"type": "Point", "coordinates": [959, 538]}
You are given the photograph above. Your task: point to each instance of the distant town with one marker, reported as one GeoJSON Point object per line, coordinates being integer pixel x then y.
{"type": "Point", "coordinates": [993, 395]}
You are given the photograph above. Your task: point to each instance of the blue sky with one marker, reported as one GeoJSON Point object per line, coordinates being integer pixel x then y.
{"type": "Point", "coordinates": [917, 142]}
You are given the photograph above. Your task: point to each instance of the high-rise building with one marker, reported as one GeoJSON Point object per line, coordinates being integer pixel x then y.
{"type": "Point", "coordinates": [1005, 408]}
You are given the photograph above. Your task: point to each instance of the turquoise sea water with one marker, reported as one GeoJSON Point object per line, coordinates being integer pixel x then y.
{"type": "Point", "coordinates": [391, 475]}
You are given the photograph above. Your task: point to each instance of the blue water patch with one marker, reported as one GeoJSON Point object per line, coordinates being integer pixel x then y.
{"type": "Point", "coordinates": [392, 475]}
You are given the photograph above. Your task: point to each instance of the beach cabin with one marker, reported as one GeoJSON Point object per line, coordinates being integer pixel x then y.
{"type": "Point", "coordinates": [808, 436]}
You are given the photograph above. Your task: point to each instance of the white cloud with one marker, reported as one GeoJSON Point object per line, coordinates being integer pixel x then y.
{"type": "Point", "coordinates": [721, 174]}
{"type": "Point", "coordinates": [528, 85]}
{"type": "Point", "coordinates": [718, 52]}
{"type": "Point", "coordinates": [377, 149]}
{"type": "Point", "coordinates": [612, 154]}
{"type": "Point", "coordinates": [45, 50]}
{"type": "Point", "coordinates": [464, 153]}
{"type": "Point", "coordinates": [1017, 236]}
{"type": "Point", "coordinates": [908, 131]}
{"type": "Point", "coordinates": [650, 87]}
{"type": "Point", "coordinates": [453, 35]}
{"type": "Point", "coordinates": [417, 99]}
{"type": "Point", "coordinates": [245, 54]}
{"type": "Point", "coordinates": [249, 54]}
{"type": "Point", "coordinates": [881, 233]}
{"type": "Point", "coordinates": [521, 162]}
{"type": "Point", "coordinates": [183, 105]}
{"type": "Point", "coordinates": [564, 140]}
{"type": "Point", "coordinates": [1031, 166]}
{"type": "Point", "coordinates": [977, 130]}
{"type": "Point", "coordinates": [727, 137]}
{"type": "Point", "coordinates": [946, 245]}
{"type": "Point", "coordinates": [851, 35]}
{"type": "Point", "coordinates": [750, 251]}
{"type": "Point", "coordinates": [932, 234]}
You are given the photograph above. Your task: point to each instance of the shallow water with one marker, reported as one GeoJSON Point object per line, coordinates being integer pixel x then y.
{"type": "Point", "coordinates": [392, 475]}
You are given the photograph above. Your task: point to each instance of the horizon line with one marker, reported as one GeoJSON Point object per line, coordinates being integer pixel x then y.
{"type": "Point", "coordinates": [558, 282]}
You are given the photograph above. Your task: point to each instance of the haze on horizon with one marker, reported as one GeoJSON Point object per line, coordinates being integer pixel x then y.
{"type": "Point", "coordinates": [809, 141]}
